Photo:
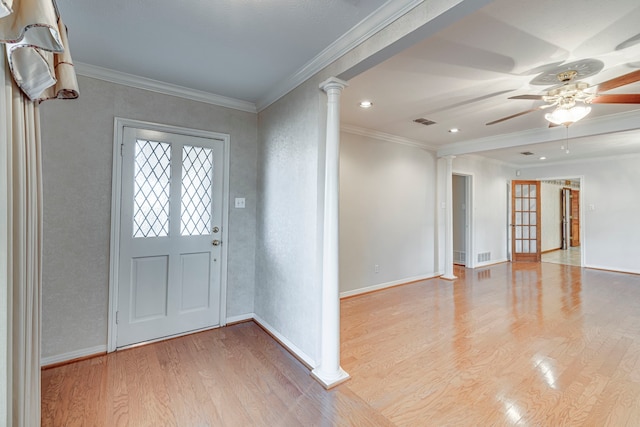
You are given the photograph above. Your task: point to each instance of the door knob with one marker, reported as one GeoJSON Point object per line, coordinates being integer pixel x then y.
{"type": "Point", "coordinates": [216, 243]}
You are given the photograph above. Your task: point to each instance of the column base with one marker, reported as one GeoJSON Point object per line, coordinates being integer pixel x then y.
{"type": "Point", "coordinates": [330, 381]}
{"type": "Point", "coordinates": [448, 277]}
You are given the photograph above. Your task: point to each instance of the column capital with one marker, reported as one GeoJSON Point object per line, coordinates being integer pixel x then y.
{"type": "Point", "coordinates": [333, 83]}
{"type": "Point", "coordinates": [449, 157]}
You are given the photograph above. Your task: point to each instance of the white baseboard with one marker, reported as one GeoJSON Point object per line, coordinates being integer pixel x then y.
{"type": "Point", "coordinates": [299, 354]}
{"type": "Point", "coordinates": [295, 351]}
{"type": "Point", "coordinates": [77, 354]}
{"type": "Point", "coordinates": [612, 269]}
{"type": "Point", "coordinates": [490, 262]}
{"type": "Point", "coordinates": [240, 318]}
{"type": "Point", "coordinates": [380, 286]}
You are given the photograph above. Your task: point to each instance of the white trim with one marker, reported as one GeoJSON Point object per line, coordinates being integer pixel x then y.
{"type": "Point", "coordinates": [225, 227]}
{"type": "Point", "coordinates": [131, 80]}
{"type": "Point", "coordinates": [285, 342]}
{"type": "Point", "coordinates": [581, 206]}
{"type": "Point", "coordinates": [470, 259]}
{"type": "Point", "coordinates": [386, 285]}
{"type": "Point", "coordinates": [369, 26]}
{"type": "Point", "coordinates": [387, 137]}
{"type": "Point", "coordinates": [114, 250]}
{"type": "Point", "coordinates": [490, 262]}
{"type": "Point", "coordinates": [76, 354]}
{"type": "Point", "coordinates": [116, 189]}
{"type": "Point", "coordinates": [596, 126]}
{"type": "Point", "coordinates": [169, 337]}
{"type": "Point", "coordinates": [328, 383]}
{"type": "Point", "coordinates": [598, 159]}
{"type": "Point", "coordinates": [240, 318]}
{"type": "Point", "coordinates": [376, 21]}
{"type": "Point", "coordinates": [611, 269]}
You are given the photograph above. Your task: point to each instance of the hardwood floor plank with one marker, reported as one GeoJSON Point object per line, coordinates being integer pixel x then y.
{"type": "Point", "coordinates": [511, 344]}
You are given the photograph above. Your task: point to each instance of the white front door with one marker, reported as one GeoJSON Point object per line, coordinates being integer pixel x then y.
{"type": "Point", "coordinates": [170, 235]}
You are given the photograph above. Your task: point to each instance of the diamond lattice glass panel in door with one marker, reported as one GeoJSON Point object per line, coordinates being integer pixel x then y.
{"type": "Point", "coordinates": [152, 180]}
{"type": "Point", "coordinates": [197, 179]}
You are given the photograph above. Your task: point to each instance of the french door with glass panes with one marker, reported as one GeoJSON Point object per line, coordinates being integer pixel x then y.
{"type": "Point", "coordinates": [170, 227]}
{"type": "Point", "coordinates": [525, 220]}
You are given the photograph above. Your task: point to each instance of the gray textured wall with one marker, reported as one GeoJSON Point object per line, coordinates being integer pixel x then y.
{"type": "Point", "coordinates": [290, 186]}
{"type": "Point", "coordinates": [77, 161]}
{"type": "Point", "coordinates": [287, 260]}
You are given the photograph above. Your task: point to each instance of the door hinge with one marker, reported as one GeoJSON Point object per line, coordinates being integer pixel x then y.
{"type": "Point", "coordinates": [121, 148]}
{"type": "Point", "coordinates": [117, 317]}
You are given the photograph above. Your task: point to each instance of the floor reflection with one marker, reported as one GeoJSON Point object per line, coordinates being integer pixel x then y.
{"type": "Point", "coordinates": [526, 343]}
{"type": "Point", "coordinates": [526, 293]}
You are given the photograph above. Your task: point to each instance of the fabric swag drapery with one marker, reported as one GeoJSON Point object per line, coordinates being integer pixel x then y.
{"type": "Point", "coordinates": [36, 66]}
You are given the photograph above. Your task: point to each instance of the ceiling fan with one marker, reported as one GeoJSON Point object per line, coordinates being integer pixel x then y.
{"type": "Point", "coordinates": [572, 98]}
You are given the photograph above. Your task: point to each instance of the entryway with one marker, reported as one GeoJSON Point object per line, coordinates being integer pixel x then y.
{"type": "Point", "coordinates": [561, 221]}
{"type": "Point", "coordinates": [168, 253]}
{"type": "Point", "coordinates": [461, 222]}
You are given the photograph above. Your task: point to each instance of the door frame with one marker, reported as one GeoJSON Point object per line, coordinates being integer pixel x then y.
{"type": "Point", "coordinates": [470, 261]}
{"type": "Point", "coordinates": [116, 191]}
{"type": "Point", "coordinates": [581, 208]}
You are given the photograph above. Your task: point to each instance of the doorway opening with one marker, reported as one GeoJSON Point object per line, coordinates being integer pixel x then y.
{"type": "Point", "coordinates": [461, 210]}
{"type": "Point", "coordinates": [562, 224]}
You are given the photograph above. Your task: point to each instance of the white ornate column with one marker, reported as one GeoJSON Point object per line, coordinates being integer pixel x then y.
{"type": "Point", "coordinates": [448, 221]}
{"type": "Point", "coordinates": [329, 373]}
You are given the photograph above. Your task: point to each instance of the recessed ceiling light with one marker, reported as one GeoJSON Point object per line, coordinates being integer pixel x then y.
{"type": "Point", "coordinates": [454, 130]}
{"type": "Point", "coordinates": [366, 104]}
{"type": "Point", "coordinates": [543, 158]}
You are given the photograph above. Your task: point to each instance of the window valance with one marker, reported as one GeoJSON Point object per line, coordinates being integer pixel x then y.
{"type": "Point", "coordinates": [37, 49]}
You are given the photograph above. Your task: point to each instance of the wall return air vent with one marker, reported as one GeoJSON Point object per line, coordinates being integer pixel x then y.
{"type": "Point", "coordinates": [484, 256]}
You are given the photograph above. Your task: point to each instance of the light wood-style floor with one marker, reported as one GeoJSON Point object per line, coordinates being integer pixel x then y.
{"type": "Point", "coordinates": [570, 256]}
{"type": "Point", "coordinates": [514, 344]}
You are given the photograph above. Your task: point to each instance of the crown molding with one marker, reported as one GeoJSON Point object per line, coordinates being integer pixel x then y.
{"type": "Point", "coordinates": [162, 87]}
{"type": "Point", "coordinates": [376, 21]}
{"type": "Point", "coordinates": [599, 160]}
{"type": "Point", "coordinates": [620, 122]}
{"type": "Point", "coordinates": [369, 133]}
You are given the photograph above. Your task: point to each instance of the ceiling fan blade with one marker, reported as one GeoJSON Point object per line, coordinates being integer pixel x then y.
{"type": "Point", "coordinates": [630, 98]}
{"type": "Point", "coordinates": [535, 97]}
{"type": "Point", "coordinates": [625, 79]}
{"type": "Point", "coordinates": [522, 113]}
{"type": "Point", "coordinates": [512, 116]}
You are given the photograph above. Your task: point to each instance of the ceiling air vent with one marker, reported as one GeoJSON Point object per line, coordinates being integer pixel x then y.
{"type": "Point", "coordinates": [424, 121]}
{"type": "Point", "coordinates": [527, 153]}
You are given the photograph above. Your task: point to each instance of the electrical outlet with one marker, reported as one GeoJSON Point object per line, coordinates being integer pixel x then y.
{"type": "Point", "coordinates": [240, 202]}
{"type": "Point", "coordinates": [376, 268]}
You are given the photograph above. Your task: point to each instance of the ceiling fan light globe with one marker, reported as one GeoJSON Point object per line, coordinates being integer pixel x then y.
{"type": "Point", "coordinates": [567, 116]}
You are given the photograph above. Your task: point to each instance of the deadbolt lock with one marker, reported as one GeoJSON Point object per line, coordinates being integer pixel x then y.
{"type": "Point", "coordinates": [216, 229]}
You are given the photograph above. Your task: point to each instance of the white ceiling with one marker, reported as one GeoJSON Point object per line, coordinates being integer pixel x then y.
{"type": "Point", "coordinates": [460, 77]}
